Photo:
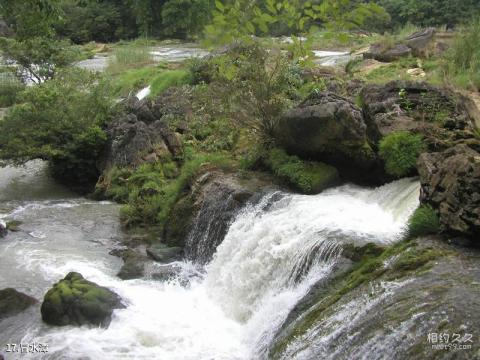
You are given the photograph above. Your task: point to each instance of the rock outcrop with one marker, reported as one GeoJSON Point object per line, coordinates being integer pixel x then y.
{"type": "Point", "coordinates": [451, 185]}
{"type": "Point", "coordinates": [5, 30]}
{"type": "Point", "coordinates": [328, 128]}
{"type": "Point", "coordinates": [387, 54]}
{"type": "Point", "coordinates": [76, 301]}
{"type": "Point", "coordinates": [3, 229]}
{"type": "Point", "coordinates": [13, 302]}
{"type": "Point", "coordinates": [201, 218]}
{"type": "Point", "coordinates": [441, 115]}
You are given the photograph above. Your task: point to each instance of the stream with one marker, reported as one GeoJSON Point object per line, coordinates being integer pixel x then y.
{"type": "Point", "coordinates": [273, 253]}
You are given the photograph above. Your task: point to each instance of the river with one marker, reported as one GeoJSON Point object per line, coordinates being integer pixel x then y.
{"type": "Point", "coordinates": [272, 255]}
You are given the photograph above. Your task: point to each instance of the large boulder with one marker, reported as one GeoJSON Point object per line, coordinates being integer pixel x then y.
{"type": "Point", "coordinates": [439, 114]}
{"type": "Point", "coordinates": [328, 128]}
{"type": "Point", "coordinates": [13, 302]}
{"type": "Point", "coordinates": [451, 185]}
{"type": "Point", "coordinates": [76, 301]}
{"type": "Point", "coordinates": [382, 53]}
{"type": "Point", "coordinates": [421, 43]}
{"type": "Point", "coordinates": [201, 218]}
{"type": "Point", "coordinates": [5, 30]}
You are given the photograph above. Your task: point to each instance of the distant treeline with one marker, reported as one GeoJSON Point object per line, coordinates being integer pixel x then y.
{"type": "Point", "coordinates": [111, 20]}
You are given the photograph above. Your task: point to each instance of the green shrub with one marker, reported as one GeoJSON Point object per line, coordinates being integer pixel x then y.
{"type": "Point", "coordinates": [308, 177]}
{"type": "Point", "coordinates": [10, 87]}
{"type": "Point", "coordinates": [400, 151]}
{"type": "Point", "coordinates": [424, 221]}
{"type": "Point", "coordinates": [61, 121]}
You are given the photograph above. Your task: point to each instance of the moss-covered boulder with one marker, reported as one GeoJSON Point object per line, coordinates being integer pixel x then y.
{"type": "Point", "coordinates": [76, 301]}
{"type": "Point", "coordinates": [329, 128]}
{"type": "Point", "coordinates": [13, 302]}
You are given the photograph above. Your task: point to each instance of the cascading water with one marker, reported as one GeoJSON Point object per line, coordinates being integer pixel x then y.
{"type": "Point", "coordinates": [272, 254]}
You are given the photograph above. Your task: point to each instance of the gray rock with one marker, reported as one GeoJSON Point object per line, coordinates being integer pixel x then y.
{"type": "Point", "coordinates": [380, 53]}
{"type": "Point", "coordinates": [451, 185]}
{"type": "Point", "coordinates": [328, 128]}
{"type": "Point", "coordinates": [164, 253]}
{"type": "Point", "coordinates": [422, 43]}
{"type": "Point", "coordinates": [133, 265]}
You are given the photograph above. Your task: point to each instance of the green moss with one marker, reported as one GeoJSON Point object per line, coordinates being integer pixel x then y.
{"type": "Point", "coordinates": [308, 177]}
{"type": "Point", "coordinates": [168, 79]}
{"type": "Point", "coordinates": [135, 79]}
{"type": "Point", "coordinates": [424, 221]}
{"type": "Point", "coordinates": [406, 257]}
{"type": "Point", "coordinates": [400, 151]}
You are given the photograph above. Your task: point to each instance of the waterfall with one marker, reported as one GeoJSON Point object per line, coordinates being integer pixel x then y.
{"type": "Point", "coordinates": [273, 251]}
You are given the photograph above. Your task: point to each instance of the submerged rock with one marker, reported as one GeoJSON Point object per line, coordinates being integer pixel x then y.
{"type": "Point", "coordinates": [164, 253]}
{"type": "Point", "coordinates": [133, 265]}
{"type": "Point", "coordinates": [13, 302]}
{"type": "Point", "coordinates": [451, 185]}
{"type": "Point", "coordinates": [76, 301]}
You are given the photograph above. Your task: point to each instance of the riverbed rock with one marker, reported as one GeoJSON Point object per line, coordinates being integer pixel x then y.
{"type": "Point", "coordinates": [382, 53]}
{"type": "Point", "coordinates": [422, 43]}
{"type": "Point", "coordinates": [13, 302]}
{"type": "Point", "coordinates": [133, 265]}
{"type": "Point", "coordinates": [77, 301]}
{"type": "Point", "coordinates": [328, 128]}
{"type": "Point", "coordinates": [441, 115]}
{"type": "Point", "coordinates": [164, 253]}
{"type": "Point", "coordinates": [200, 219]}
{"type": "Point", "coordinates": [3, 229]}
{"type": "Point", "coordinates": [451, 185]}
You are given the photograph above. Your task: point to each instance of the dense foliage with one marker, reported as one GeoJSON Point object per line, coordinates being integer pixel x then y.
{"type": "Point", "coordinates": [400, 151]}
{"type": "Point", "coordinates": [61, 121]}
{"type": "Point", "coordinates": [431, 12]}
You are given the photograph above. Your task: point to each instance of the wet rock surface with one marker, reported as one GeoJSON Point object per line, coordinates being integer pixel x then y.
{"type": "Point", "coordinates": [77, 301]}
{"type": "Point", "coordinates": [13, 302]}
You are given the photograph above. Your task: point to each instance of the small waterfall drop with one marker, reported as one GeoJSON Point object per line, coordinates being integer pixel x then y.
{"type": "Point", "coordinates": [271, 256]}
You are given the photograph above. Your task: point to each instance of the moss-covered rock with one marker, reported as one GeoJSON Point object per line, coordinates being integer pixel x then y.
{"type": "Point", "coordinates": [76, 301]}
{"type": "Point", "coordinates": [309, 177]}
{"type": "Point", "coordinates": [164, 253]}
{"type": "Point", "coordinates": [12, 302]}
{"type": "Point", "coordinates": [329, 128]}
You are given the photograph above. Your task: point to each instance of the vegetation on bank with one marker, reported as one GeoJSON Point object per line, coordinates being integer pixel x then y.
{"type": "Point", "coordinates": [400, 151]}
{"type": "Point", "coordinates": [424, 221]}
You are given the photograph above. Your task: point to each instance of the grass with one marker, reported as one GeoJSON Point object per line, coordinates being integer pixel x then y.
{"type": "Point", "coordinates": [158, 77]}
{"type": "Point", "coordinates": [150, 191]}
{"type": "Point", "coordinates": [462, 63]}
{"type": "Point", "coordinates": [130, 56]}
{"type": "Point", "coordinates": [400, 151]}
{"type": "Point", "coordinates": [308, 177]}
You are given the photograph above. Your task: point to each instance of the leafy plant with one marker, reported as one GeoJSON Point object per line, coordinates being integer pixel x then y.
{"type": "Point", "coordinates": [424, 221]}
{"type": "Point", "coordinates": [61, 121]}
{"type": "Point", "coordinates": [400, 151]}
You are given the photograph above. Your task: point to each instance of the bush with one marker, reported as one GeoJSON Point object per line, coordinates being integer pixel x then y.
{"type": "Point", "coordinates": [151, 190]}
{"type": "Point", "coordinates": [308, 177]}
{"type": "Point", "coordinates": [10, 87]}
{"type": "Point", "coordinates": [60, 121]}
{"type": "Point", "coordinates": [424, 221]}
{"type": "Point", "coordinates": [400, 151]}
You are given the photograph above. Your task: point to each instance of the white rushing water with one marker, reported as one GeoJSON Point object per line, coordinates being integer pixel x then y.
{"type": "Point", "coordinates": [272, 255]}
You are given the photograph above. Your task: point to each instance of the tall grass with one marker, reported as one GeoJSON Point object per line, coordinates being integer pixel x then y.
{"type": "Point", "coordinates": [462, 65]}
{"type": "Point", "coordinates": [130, 56]}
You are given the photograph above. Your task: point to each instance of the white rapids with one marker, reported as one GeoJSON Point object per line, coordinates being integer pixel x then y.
{"type": "Point", "coordinates": [271, 256]}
